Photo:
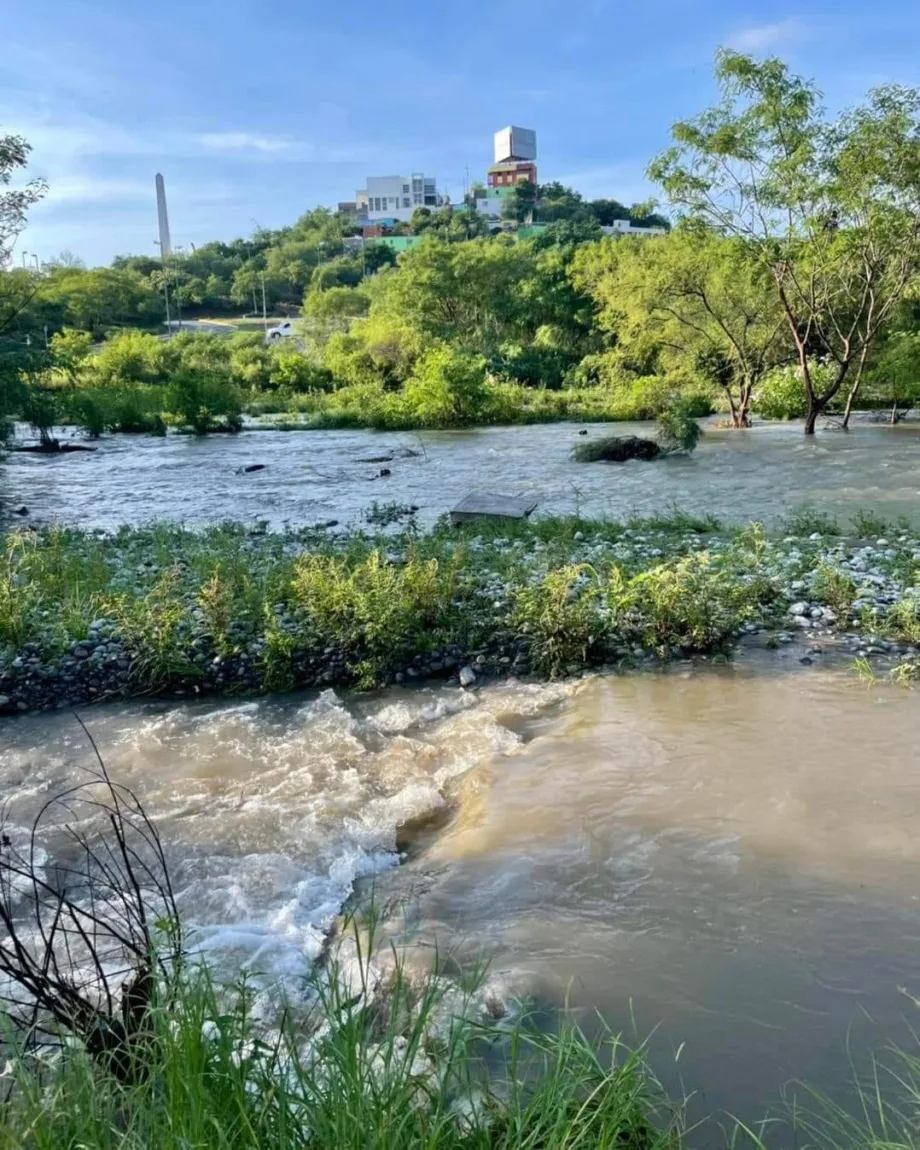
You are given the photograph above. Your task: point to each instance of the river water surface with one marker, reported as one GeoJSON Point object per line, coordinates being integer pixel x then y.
{"type": "Point", "coordinates": [729, 855]}
{"type": "Point", "coordinates": [317, 476]}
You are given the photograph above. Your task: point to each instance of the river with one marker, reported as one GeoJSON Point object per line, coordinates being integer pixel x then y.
{"type": "Point", "coordinates": [317, 476]}
{"type": "Point", "coordinates": [725, 858]}
{"type": "Point", "coordinates": [728, 855]}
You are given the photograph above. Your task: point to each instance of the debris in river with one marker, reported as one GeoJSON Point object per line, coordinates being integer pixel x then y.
{"type": "Point", "coordinates": [51, 447]}
{"type": "Point", "coordinates": [479, 505]}
{"type": "Point", "coordinates": [617, 449]}
{"type": "Point", "coordinates": [251, 467]}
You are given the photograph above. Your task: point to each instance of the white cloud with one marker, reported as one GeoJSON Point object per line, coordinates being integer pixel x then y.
{"type": "Point", "coordinates": [247, 142]}
{"type": "Point", "coordinates": [767, 37]}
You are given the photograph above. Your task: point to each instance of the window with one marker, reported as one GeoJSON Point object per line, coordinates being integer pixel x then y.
{"type": "Point", "coordinates": [405, 189]}
{"type": "Point", "coordinates": [417, 198]}
{"type": "Point", "coordinates": [406, 202]}
{"type": "Point", "coordinates": [377, 207]}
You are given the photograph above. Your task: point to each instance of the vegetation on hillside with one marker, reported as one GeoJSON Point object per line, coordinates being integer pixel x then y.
{"type": "Point", "coordinates": [788, 286]}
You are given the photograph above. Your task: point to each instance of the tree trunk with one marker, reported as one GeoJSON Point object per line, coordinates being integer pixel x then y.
{"type": "Point", "coordinates": [814, 410]}
{"type": "Point", "coordinates": [854, 390]}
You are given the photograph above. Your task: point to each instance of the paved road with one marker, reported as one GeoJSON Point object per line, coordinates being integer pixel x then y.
{"type": "Point", "coordinates": [201, 325]}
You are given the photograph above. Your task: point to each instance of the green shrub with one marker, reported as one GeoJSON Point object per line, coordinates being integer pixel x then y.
{"type": "Point", "coordinates": [154, 627]}
{"type": "Point", "coordinates": [377, 613]}
{"type": "Point", "coordinates": [834, 587]}
{"type": "Point", "coordinates": [561, 618]}
{"type": "Point", "coordinates": [447, 388]}
{"type": "Point", "coordinates": [203, 401]}
{"type": "Point", "coordinates": [689, 605]}
{"type": "Point", "coordinates": [678, 431]}
{"type": "Point", "coordinates": [781, 393]}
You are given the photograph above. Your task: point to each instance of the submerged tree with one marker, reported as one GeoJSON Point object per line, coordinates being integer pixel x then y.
{"type": "Point", "coordinates": [831, 210]}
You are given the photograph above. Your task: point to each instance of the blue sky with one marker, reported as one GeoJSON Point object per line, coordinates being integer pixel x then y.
{"type": "Point", "coordinates": [257, 112]}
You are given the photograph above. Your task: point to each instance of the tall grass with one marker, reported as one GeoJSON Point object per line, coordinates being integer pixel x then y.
{"type": "Point", "coordinates": [382, 1059]}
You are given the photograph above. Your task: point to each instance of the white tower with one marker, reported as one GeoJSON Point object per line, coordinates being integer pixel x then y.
{"type": "Point", "coordinates": [165, 244]}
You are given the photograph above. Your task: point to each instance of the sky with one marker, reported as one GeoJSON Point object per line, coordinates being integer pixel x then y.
{"type": "Point", "coordinates": [255, 113]}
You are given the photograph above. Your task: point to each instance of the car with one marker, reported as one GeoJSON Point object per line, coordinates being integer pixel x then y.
{"type": "Point", "coordinates": [282, 331]}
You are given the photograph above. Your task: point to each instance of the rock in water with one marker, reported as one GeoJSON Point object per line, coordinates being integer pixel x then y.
{"type": "Point", "coordinates": [467, 676]}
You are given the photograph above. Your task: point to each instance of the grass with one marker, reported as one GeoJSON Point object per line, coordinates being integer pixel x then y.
{"type": "Point", "coordinates": [380, 1058]}
{"type": "Point", "coordinates": [807, 520]}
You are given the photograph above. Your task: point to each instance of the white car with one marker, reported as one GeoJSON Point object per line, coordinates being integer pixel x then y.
{"type": "Point", "coordinates": [282, 331]}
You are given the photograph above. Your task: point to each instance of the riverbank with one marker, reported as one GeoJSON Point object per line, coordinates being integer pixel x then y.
{"type": "Point", "coordinates": [87, 616]}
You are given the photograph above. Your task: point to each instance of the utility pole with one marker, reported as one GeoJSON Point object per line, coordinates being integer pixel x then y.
{"type": "Point", "coordinates": [178, 291]}
{"type": "Point", "coordinates": [37, 264]}
{"type": "Point", "coordinates": [24, 254]}
{"type": "Point", "coordinates": [264, 310]}
{"type": "Point", "coordinates": [165, 286]}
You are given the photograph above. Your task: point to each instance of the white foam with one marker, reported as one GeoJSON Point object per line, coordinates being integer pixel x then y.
{"type": "Point", "coordinates": [272, 810]}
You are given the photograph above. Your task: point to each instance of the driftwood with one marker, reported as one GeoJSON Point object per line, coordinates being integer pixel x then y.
{"type": "Point", "coordinates": [89, 939]}
{"type": "Point", "coordinates": [52, 447]}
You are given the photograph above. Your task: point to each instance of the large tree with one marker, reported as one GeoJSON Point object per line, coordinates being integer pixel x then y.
{"type": "Point", "coordinates": [17, 289]}
{"type": "Point", "coordinates": [831, 209]}
{"type": "Point", "coordinates": [692, 298]}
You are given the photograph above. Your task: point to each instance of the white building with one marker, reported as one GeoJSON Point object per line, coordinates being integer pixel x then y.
{"type": "Point", "coordinates": [628, 228]}
{"type": "Point", "coordinates": [396, 197]}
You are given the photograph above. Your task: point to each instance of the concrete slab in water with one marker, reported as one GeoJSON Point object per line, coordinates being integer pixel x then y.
{"type": "Point", "coordinates": [480, 504]}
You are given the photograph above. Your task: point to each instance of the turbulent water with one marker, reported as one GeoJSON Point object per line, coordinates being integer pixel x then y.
{"type": "Point", "coordinates": [317, 476]}
{"type": "Point", "coordinates": [271, 810]}
{"type": "Point", "coordinates": [729, 855]}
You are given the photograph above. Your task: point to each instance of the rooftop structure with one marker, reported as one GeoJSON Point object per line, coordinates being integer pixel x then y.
{"type": "Point", "coordinates": [515, 144]}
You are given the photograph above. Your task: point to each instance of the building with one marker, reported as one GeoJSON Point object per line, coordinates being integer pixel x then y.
{"type": "Point", "coordinates": [396, 197]}
{"type": "Point", "coordinates": [515, 158]}
{"type": "Point", "coordinates": [491, 201]}
{"type": "Point", "coordinates": [628, 228]}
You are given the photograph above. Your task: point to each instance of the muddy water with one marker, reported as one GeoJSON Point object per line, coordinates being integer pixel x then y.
{"type": "Point", "coordinates": [318, 476]}
{"type": "Point", "coordinates": [729, 856]}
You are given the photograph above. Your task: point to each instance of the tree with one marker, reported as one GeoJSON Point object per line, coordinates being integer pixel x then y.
{"type": "Point", "coordinates": [830, 210]}
{"type": "Point", "coordinates": [694, 299]}
{"type": "Point", "coordinates": [519, 204]}
{"type": "Point", "coordinates": [447, 388]}
{"type": "Point", "coordinates": [15, 202]}
{"type": "Point", "coordinates": [17, 290]}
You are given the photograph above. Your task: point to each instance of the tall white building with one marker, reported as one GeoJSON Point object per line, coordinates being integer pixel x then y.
{"type": "Point", "coordinates": [396, 197]}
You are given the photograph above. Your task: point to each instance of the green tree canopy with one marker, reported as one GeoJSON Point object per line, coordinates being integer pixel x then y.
{"type": "Point", "coordinates": [831, 209]}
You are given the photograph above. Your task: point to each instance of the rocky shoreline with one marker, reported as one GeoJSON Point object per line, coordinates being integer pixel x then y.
{"type": "Point", "coordinates": [513, 597]}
